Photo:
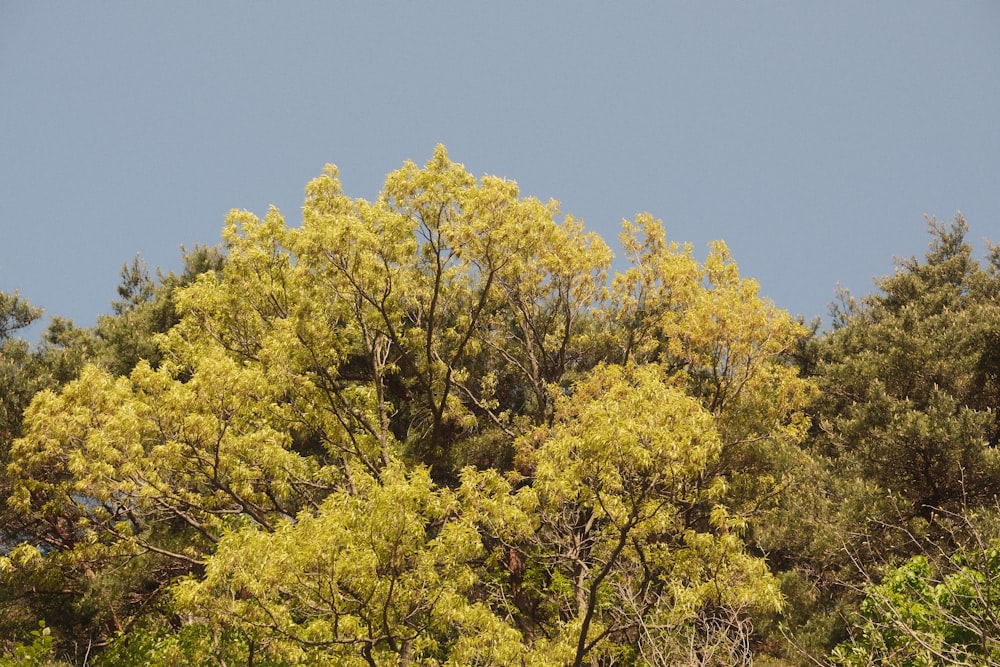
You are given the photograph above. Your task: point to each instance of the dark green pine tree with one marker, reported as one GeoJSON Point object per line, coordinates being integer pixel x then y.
{"type": "Point", "coordinates": [145, 308]}
{"type": "Point", "coordinates": [911, 379]}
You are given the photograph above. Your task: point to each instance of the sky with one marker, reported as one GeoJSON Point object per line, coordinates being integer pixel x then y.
{"type": "Point", "coordinates": [812, 137]}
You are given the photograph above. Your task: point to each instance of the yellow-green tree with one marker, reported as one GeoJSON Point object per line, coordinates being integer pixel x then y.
{"type": "Point", "coordinates": [725, 346]}
{"type": "Point", "coordinates": [619, 563]}
{"type": "Point", "coordinates": [426, 430]}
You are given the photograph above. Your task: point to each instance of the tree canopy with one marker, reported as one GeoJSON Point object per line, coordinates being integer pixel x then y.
{"type": "Point", "coordinates": [437, 428]}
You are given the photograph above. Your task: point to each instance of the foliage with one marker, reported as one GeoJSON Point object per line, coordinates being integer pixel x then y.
{"type": "Point", "coordinates": [910, 379]}
{"type": "Point", "coordinates": [925, 613]}
{"type": "Point", "coordinates": [62, 351]}
{"type": "Point", "coordinates": [426, 429]}
{"type": "Point", "coordinates": [36, 654]}
{"type": "Point", "coordinates": [904, 437]}
{"type": "Point", "coordinates": [631, 538]}
{"type": "Point", "coordinates": [371, 577]}
{"type": "Point", "coordinates": [15, 313]}
{"type": "Point", "coordinates": [146, 308]}
{"type": "Point", "coordinates": [15, 383]}
{"type": "Point", "coordinates": [26, 372]}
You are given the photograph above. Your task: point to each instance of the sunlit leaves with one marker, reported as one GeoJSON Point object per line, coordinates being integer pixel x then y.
{"type": "Point", "coordinates": [629, 515]}
{"type": "Point", "coordinates": [926, 613]}
{"type": "Point", "coordinates": [425, 429]}
{"type": "Point", "coordinates": [367, 576]}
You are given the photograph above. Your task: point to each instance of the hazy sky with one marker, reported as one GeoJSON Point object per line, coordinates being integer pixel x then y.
{"type": "Point", "coordinates": [811, 136]}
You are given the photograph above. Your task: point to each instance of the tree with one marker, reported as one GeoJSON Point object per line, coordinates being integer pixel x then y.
{"type": "Point", "coordinates": [471, 296]}
{"type": "Point", "coordinates": [145, 308]}
{"type": "Point", "coordinates": [620, 558]}
{"type": "Point", "coordinates": [730, 349]}
{"type": "Point", "coordinates": [937, 608]}
{"type": "Point", "coordinates": [904, 433]}
{"type": "Point", "coordinates": [377, 576]}
{"type": "Point", "coordinates": [24, 370]}
{"type": "Point", "coordinates": [597, 558]}
{"type": "Point", "coordinates": [15, 313]}
{"type": "Point", "coordinates": [910, 379]}
{"type": "Point", "coordinates": [434, 391]}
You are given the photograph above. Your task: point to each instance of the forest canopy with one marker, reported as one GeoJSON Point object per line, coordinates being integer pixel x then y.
{"type": "Point", "coordinates": [436, 428]}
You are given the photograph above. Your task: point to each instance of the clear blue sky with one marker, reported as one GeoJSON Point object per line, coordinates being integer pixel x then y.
{"type": "Point", "coordinates": [811, 136]}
